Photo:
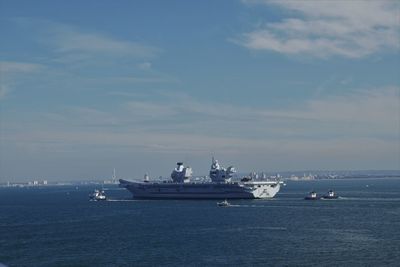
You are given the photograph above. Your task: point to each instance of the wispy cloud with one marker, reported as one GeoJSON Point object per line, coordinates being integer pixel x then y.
{"type": "Point", "coordinates": [76, 58]}
{"type": "Point", "coordinates": [371, 114]}
{"type": "Point", "coordinates": [68, 40]}
{"type": "Point", "coordinates": [75, 42]}
{"type": "Point", "coordinates": [3, 91]}
{"type": "Point", "coordinates": [7, 67]}
{"type": "Point", "coordinates": [329, 132]}
{"type": "Point", "coordinates": [144, 65]}
{"type": "Point", "coordinates": [11, 71]}
{"type": "Point", "coordinates": [323, 29]}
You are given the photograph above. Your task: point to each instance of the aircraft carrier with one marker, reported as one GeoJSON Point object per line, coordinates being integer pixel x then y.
{"type": "Point", "coordinates": [221, 186]}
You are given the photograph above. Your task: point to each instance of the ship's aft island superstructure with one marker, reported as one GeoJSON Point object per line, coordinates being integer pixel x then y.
{"type": "Point", "coordinates": [220, 187]}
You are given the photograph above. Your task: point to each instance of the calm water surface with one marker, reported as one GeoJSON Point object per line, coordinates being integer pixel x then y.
{"type": "Point", "coordinates": [58, 226]}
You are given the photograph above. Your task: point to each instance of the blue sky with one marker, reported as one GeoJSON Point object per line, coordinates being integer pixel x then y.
{"type": "Point", "coordinates": [87, 86]}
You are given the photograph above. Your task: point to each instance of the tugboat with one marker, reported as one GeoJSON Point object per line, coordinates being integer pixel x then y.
{"type": "Point", "coordinates": [331, 195]}
{"type": "Point", "coordinates": [312, 196]}
{"type": "Point", "coordinates": [97, 195]}
{"type": "Point", "coordinates": [224, 203]}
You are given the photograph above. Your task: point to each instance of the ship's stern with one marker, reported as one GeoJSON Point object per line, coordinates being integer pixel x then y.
{"type": "Point", "coordinates": [266, 190]}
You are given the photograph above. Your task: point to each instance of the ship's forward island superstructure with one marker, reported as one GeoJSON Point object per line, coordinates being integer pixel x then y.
{"type": "Point", "coordinates": [220, 187]}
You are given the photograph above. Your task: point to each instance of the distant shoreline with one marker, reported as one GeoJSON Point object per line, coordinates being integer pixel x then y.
{"type": "Point", "coordinates": [101, 183]}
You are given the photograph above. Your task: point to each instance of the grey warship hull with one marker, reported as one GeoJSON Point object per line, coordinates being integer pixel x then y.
{"type": "Point", "coordinates": [171, 190]}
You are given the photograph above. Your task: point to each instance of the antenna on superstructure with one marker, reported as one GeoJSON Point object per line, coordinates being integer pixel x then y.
{"type": "Point", "coordinates": [114, 177]}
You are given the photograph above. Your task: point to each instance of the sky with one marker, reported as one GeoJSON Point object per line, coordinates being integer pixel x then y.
{"type": "Point", "coordinates": [88, 86]}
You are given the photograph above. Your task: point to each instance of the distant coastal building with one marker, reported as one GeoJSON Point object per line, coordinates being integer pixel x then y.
{"type": "Point", "coordinates": [113, 179]}
{"type": "Point", "coordinates": [308, 177]}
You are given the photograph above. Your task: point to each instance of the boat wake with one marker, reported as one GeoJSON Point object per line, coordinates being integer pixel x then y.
{"type": "Point", "coordinates": [250, 206]}
{"type": "Point", "coordinates": [370, 198]}
{"type": "Point", "coordinates": [122, 200]}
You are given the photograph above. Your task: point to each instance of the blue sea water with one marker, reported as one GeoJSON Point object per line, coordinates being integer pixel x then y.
{"type": "Point", "coordinates": [58, 226]}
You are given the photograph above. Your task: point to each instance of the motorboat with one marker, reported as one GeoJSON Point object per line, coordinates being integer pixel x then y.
{"type": "Point", "coordinates": [224, 203]}
{"type": "Point", "coordinates": [97, 195]}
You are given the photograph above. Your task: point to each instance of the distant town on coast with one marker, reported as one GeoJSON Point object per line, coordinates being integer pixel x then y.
{"type": "Point", "coordinates": [262, 175]}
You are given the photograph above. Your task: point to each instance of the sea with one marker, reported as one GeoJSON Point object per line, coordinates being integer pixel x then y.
{"type": "Point", "coordinates": [59, 226]}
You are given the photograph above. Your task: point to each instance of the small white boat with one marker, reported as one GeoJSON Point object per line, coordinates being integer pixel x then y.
{"type": "Point", "coordinates": [224, 203]}
{"type": "Point", "coordinates": [97, 195]}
